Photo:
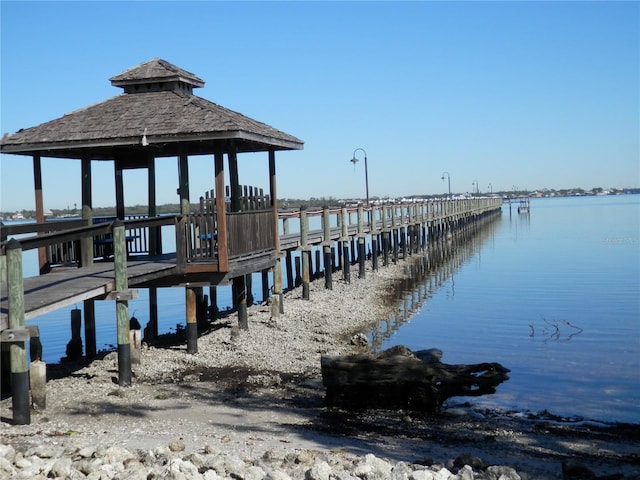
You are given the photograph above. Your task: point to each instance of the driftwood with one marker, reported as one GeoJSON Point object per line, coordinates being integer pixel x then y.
{"type": "Point", "coordinates": [400, 378]}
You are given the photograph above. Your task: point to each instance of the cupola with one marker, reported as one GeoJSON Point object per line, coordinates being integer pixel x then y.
{"type": "Point", "coordinates": [156, 75]}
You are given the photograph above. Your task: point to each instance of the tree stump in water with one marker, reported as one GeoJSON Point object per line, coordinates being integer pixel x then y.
{"type": "Point", "coordinates": [401, 379]}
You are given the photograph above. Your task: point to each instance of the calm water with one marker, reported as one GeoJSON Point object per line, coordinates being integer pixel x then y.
{"type": "Point", "coordinates": [553, 295]}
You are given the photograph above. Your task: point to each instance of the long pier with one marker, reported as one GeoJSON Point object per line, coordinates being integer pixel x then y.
{"type": "Point", "coordinates": [121, 263]}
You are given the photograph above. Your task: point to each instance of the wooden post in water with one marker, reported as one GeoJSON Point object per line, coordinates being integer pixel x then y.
{"type": "Point", "coordinates": [317, 269]}
{"type": "Point", "coordinates": [289, 267]}
{"type": "Point", "coordinates": [326, 247]}
{"type": "Point", "coordinates": [74, 347]}
{"type": "Point", "coordinates": [17, 348]}
{"type": "Point", "coordinates": [304, 251]}
{"type": "Point", "coordinates": [122, 304]}
{"type": "Point", "coordinates": [385, 237]}
{"type": "Point", "coordinates": [265, 285]}
{"type": "Point", "coordinates": [90, 329]}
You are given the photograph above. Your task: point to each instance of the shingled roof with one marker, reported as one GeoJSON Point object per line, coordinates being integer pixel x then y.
{"type": "Point", "coordinates": [157, 104]}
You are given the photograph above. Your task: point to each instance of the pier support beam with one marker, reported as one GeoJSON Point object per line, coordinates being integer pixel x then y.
{"type": "Point", "coordinates": [191, 301]}
{"type": "Point", "coordinates": [17, 349]}
{"type": "Point", "coordinates": [122, 305]}
{"type": "Point", "coordinates": [90, 329]}
{"type": "Point", "coordinates": [240, 301]}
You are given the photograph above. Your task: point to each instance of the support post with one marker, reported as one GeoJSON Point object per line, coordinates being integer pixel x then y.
{"type": "Point", "coordinates": [43, 261]}
{"type": "Point", "coordinates": [18, 350]}
{"type": "Point", "coordinates": [304, 231]}
{"type": "Point", "coordinates": [278, 303]}
{"type": "Point", "coordinates": [74, 347]}
{"type": "Point", "coordinates": [86, 249]}
{"type": "Point", "coordinates": [122, 306]}
{"type": "Point", "coordinates": [361, 247]}
{"type": "Point", "coordinates": [326, 247]}
{"type": "Point", "coordinates": [240, 299]}
{"type": "Point", "coordinates": [90, 329]}
{"type": "Point", "coordinates": [346, 274]}
{"type": "Point", "coordinates": [191, 320]}
{"type": "Point", "coordinates": [151, 330]}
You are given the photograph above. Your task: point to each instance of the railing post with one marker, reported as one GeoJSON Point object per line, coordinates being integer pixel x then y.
{"type": "Point", "coordinates": [304, 250]}
{"type": "Point", "coordinates": [361, 246]}
{"type": "Point", "coordinates": [18, 351]}
{"type": "Point", "coordinates": [122, 305]}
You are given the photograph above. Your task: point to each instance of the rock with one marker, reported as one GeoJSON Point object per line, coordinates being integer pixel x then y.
{"type": "Point", "coordinates": [319, 471]}
{"type": "Point", "coordinates": [61, 468]}
{"type": "Point", "coordinates": [422, 475]}
{"type": "Point", "coordinates": [573, 470]}
{"type": "Point", "coordinates": [177, 446]}
{"type": "Point", "coordinates": [467, 459]}
{"type": "Point", "coordinates": [496, 472]}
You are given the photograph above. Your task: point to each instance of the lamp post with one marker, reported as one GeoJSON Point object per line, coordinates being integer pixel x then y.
{"type": "Point", "coordinates": [354, 160]}
{"type": "Point", "coordinates": [449, 179]}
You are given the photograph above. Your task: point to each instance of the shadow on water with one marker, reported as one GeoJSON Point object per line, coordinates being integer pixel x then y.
{"type": "Point", "coordinates": [427, 272]}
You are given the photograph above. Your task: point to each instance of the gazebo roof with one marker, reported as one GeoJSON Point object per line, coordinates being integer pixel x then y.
{"type": "Point", "coordinates": [155, 70]}
{"type": "Point", "coordinates": [158, 114]}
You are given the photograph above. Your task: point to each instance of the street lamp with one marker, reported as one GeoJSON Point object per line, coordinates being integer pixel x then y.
{"type": "Point", "coordinates": [449, 178]}
{"type": "Point", "coordinates": [354, 160]}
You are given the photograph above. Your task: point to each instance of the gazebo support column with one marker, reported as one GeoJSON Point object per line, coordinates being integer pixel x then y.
{"type": "Point", "coordinates": [119, 185]}
{"type": "Point", "coordinates": [89, 309]}
{"type": "Point", "coordinates": [37, 181]}
{"type": "Point", "coordinates": [190, 292]}
{"type": "Point", "coordinates": [277, 304]}
{"type": "Point", "coordinates": [155, 248]}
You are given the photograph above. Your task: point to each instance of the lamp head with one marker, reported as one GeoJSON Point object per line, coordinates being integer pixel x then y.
{"type": "Point", "coordinates": [354, 160]}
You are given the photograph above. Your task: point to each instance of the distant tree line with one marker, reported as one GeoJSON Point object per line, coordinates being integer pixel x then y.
{"type": "Point", "coordinates": [331, 202]}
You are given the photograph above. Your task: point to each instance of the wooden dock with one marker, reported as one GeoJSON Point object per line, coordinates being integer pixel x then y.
{"type": "Point", "coordinates": [65, 286]}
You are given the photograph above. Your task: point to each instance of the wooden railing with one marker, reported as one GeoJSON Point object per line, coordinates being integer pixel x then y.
{"type": "Point", "coordinates": [248, 232]}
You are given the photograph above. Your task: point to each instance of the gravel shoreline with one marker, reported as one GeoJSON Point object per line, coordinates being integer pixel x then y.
{"type": "Point", "coordinates": [249, 405]}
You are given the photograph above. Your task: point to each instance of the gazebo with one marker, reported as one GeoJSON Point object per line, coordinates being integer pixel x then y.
{"type": "Point", "coordinates": [233, 231]}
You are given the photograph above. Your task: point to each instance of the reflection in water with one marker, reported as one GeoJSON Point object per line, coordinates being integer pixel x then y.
{"type": "Point", "coordinates": [427, 272]}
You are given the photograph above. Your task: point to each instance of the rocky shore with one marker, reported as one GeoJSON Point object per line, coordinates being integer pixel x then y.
{"type": "Point", "coordinates": [249, 405]}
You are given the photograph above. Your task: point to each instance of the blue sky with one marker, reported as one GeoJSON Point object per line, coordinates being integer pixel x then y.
{"type": "Point", "coordinates": [524, 94]}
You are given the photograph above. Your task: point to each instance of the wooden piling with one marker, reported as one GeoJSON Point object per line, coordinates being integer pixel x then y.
{"type": "Point", "coordinates": [122, 303]}
{"type": "Point", "coordinates": [346, 274]}
{"type": "Point", "coordinates": [90, 329]}
{"type": "Point", "coordinates": [38, 384]}
{"type": "Point", "coordinates": [277, 306]}
{"type": "Point", "coordinates": [361, 246]}
{"type": "Point", "coordinates": [265, 285]}
{"type": "Point", "coordinates": [240, 300]}
{"type": "Point", "coordinates": [191, 305]}
{"type": "Point", "coordinates": [74, 347]}
{"type": "Point", "coordinates": [304, 251]}
{"type": "Point", "coordinates": [17, 349]}
{"type": "Point", "coordinates": [326, 247]}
